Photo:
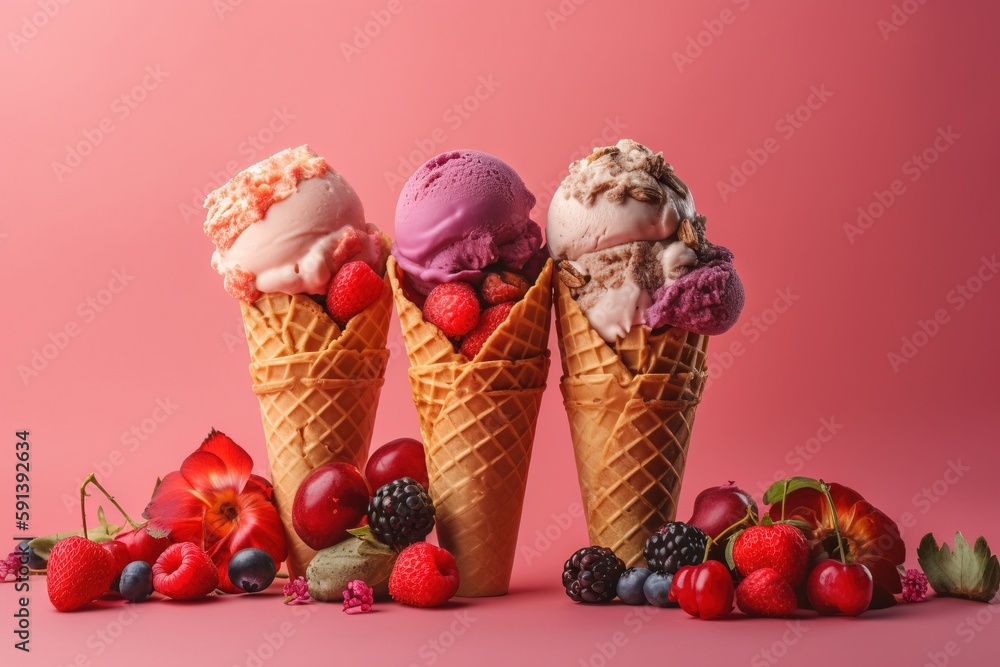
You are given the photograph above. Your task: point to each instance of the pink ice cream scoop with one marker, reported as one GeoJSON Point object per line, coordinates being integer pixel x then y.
{"type": "Point", "coordinates": [461, 212]}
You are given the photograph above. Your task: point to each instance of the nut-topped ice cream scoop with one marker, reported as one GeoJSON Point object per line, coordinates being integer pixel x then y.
{"type": "Point", "coordinates": [633, 247]}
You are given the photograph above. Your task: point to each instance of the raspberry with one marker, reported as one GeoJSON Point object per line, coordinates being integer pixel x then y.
{"type": "Point", "coordinates": [79, 571]}
{"type": "Point", "coordinates": [354, 288]}
{"type": "Point", "coordinates": [453, 308]}
{"type": "Point", "coordinates": [185, 572]}
{"type": "Point", "coordinates": [424, 576]}
{"type": "Point", "coordinates": [765, 592]}
{"type": "Point", "coordinates": [491, 319]}
{"type": "Point", "coordinates": [503, 287]}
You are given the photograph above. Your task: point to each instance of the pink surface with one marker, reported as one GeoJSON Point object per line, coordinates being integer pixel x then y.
{"type": "Point", "coordinates": [846, 152]}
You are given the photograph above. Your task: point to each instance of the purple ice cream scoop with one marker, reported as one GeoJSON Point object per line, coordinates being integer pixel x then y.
{"type": "Point", "coordinates": [461, 212]}
{"type": "Point", "coordinates": [706, 301]}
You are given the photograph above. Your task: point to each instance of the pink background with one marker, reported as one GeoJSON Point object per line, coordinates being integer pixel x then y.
{"type": "Point", "coordinates": [548, 91]}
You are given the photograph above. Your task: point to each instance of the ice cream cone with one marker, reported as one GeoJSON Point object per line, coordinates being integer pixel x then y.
{"type": "Point", "coordinates": [477, 418]}
{"type": "Point", "coordinates": [631, 408]}
{"type": "Point", "coordinates": [318, 386]}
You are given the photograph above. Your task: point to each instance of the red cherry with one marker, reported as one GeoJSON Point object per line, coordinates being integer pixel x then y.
{"type": "Point", "coordinates": [839, 588]}
{"type": "Point", "coordinates": [705, 590]}
{"type": "Point", "coordinates": [400, 458]}
{"type": "Point", "coordinates": [141, 545]}
{"type": "Point", "coordinates": [330, 500]}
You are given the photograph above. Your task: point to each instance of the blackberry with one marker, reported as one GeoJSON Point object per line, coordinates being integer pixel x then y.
{"type": "Point", "coordinates": [591, 575]}
{"type": "Point", "coordinates": [673, 546]}
{"type": "Point", "coordinates": [401, 513]}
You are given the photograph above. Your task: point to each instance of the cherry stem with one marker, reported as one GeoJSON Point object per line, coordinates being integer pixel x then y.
{"type": "Point", "coordinates": [715, 540]}
{"type": "Point", "coordinates": [92, 479]}
{"type": "Point", "coordinates": [836, 521]}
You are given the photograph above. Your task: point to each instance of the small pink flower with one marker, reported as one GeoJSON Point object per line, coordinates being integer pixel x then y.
{"type": "Point", "coordinates": [358, 598]}
{"type": "Point", "coordinates": [914, 586]}
{"type": "Point", "coordinates": [296, 590]}
{"type": "Point", "coordinates": [10, 565]}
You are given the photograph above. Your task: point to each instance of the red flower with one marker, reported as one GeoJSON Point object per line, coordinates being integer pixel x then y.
{"type": "Point", "coordinates": [217, 503]}
{"type": "Point", "coordinates": [870, 537]}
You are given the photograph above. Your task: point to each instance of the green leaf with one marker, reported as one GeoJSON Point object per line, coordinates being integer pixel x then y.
{"type": "Point", "coordinates": [780, 489]}
{"type": "Point", "coordinates": [42, 546]}
{"type": "Point", "coordinates": [360, 532]}
{"type": "Point", "coordinates": [967, 572]}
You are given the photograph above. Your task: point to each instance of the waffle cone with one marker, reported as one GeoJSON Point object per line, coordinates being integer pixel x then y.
{"type": "Point", "coordinates": [477, 418]}
{"type": "Point", "coordinates": [318, 387]}
{"type": "Point", "coordinates": [631, 408]}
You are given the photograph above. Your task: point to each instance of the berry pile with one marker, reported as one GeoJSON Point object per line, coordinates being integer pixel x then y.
{"type": "Point", "coordinates": [469, 317]}
{"type": "Point", "coordinates": [724, 556]}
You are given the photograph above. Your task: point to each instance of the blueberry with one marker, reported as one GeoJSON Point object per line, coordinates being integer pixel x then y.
{"type": "Point", "coordinates": [35, 562]}
{"type": "Point", "coordinates": [136, 582]}
{"type": "Point", "coordinates": [630, 585]}
{"type": "Point", "coordinates": [657, 588]}
{"type": "Point", "coordinates": [252, 570]}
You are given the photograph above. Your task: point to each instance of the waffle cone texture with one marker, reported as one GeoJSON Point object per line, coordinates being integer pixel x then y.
{"type": "Point", "coordinates": [477, 418]}
{"type": "Point", "coordinates": [318, 387]}
{"type": "Point", "coordinates": [631, 408]}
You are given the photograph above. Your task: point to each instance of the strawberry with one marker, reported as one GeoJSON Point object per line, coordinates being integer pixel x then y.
{"type": "Point", "coordinates": [424, 576]}
{"type": "Point", "coordinates": [354, 288]}
{"type": "Point", "coordinates": [766, 593]}
{"type": "Point", "coordinates": [491, 318]}
{"type": "Point", "coordinates": [502, 287]}
{"type": "Point", "coordinates": [185, 572]}
{"type": "Point", "coordinates": [79, 572]}
{"type": "Point", "coordinates": [453, 308]}
{"type": "Point", "coordinates": [781, 547]}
